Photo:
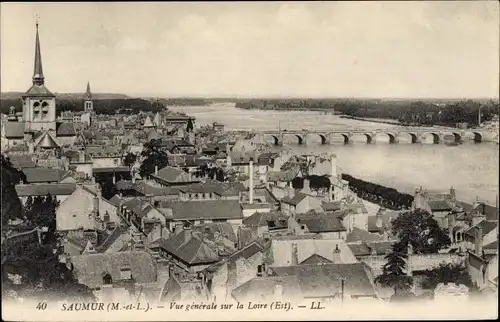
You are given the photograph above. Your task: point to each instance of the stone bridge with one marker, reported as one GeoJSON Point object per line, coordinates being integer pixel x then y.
{"type": "Point", "coordinates": [415, 135]}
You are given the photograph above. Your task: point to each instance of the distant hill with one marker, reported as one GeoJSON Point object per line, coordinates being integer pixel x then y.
{"type": "Point", "coordinates": [98, 96]}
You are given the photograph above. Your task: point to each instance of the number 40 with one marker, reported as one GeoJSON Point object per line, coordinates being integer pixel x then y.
{"type": "Point", "coordinates": [41, 306]}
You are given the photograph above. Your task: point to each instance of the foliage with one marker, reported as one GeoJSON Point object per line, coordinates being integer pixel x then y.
{"type": "Point", "coordinates": [447, 113]}
{"type": "Point", "coordinates": [154, 157]}
{"type": "Point", "coordinates": [419, 229]}
{"type": "Point", "coordinates": [129, 159]}
{"type": "Point", "coordinates": [393, 274]}
{"type": "Point", "coordinates": [318, 182]}
{"type": "Point", "coordinates": [11, 205]}
{"type": "Point", "coordinates": [446, 273]}
{"type": "Point", "coordinates": [108, 106]}
{"type": "Point", "coordinates": [190, 125]}
{"type": "Point", "coordinates": [386, 197]}
{"type": "Point", "coordinates": [298, 183]}
{"type": "Point", "coordinates": [41, 212]}
{"type": "Point", "coordinates": [43, 276]}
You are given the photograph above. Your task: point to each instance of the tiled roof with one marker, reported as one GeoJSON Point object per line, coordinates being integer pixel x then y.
{"type": "Point", "coordinates": [205, 209]}
{"type": "Point", "coordinates": [14, 130]}
{"type": "Point", "coordinates": [224, 228]}
{"type": "Point", "coordinates": [39, 175]}
{"type": "Point", "coordinates": [189, 247]}
{"type": "Point", "coordinates": [39, 90]}
{"type": "Point", "coordinates": [22, 161]}
{"type": "Point", "coordinates": [315, 259]}
{"type": "Point", "coordinates": [54, 189]}
{"type": "Point", "coordinates": [172, 175]}
{"type": "Point", "coordinates": [360, 249]}
{"type": "Point", "coordinates": [91, 268]}
{"type": "Point", "coordinates": [386, 218]}
{"type": "Point", "coordinates": [146, 189]}
{"type": "Point", "coordinates": [320, 222]}
{"type": "Point", "coordinates": [260, 219]}
{"type": "Point", "coordinates": [65, 129]}
{"type": "Point", "coordinates": [295, 200]}
{"type": "Point", "coordinates": [263, 288]}
{"type": "Point", "coordinates": [331, 206]}
{"type": "Point", "coordinates": [439, 205]}
{"type": "Point", "coordinates": [111, 169]}
{"type": "Point", "coordinates": [325, 280]}
{"type": "Point", "coordinates": [489, 211]}
{"type": "Point", "coordinates": [357, 235]}
{"type": "Point", "coordinates": [487, 227]}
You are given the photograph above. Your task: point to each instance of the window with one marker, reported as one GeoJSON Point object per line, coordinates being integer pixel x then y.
{"type": "Point", "coordinates": [126, 272]}
{"type": "Point", "coordinates": [106, 279]}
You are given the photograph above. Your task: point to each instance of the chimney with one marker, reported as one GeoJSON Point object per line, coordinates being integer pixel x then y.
{"type": "Point", "coordinates": [278, 292]}
{"type": "Point", "coordinates": [378, 217]}
{"type": "Point", "coordinates": [150, 199]}
{"type": "Point", "coordinates": [114, 178]}
{"type": "Point", "coordinates": [479, 241]}
{"type": "Point", "coordinates": [251, 181]}
{"type": "Point", "coordinates": [95, 205]}
{"type": "Point", "coordinates": [156, 170]}
{"type": "Point", "coordinates": [333, 161]}
{"type": "Point", "coordinates": [92, 180]}
{"type": "Point", "coordinates": [336, 258]}
{"type": "Point", "coordinates": [291, 192]}
{"type": "Point", "coordinates": [133, 178]}
{"type": "Point", "coordinates": [188, 233]}
{"type": "Point", "coordinates": [295, 254]}
{"type": "Point", "coordinates": [81, 156]}
{"type": "Point", "coordinates": [330, 193]}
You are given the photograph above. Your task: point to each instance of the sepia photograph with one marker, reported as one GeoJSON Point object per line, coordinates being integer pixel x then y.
{"type": "Point", "coordinates": [266, 161]}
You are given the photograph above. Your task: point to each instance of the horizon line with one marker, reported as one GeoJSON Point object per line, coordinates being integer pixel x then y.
{"type": "Point", "coordinates": [305, 97]}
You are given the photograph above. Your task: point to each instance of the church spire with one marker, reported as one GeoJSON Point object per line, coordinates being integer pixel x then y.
{"type": "Point", "coordinates": [38, 78]}
{"type": "Point", "coordinates": [88, 92]}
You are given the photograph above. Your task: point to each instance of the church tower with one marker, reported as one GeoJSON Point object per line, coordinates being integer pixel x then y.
{"type": "Point", "coordinates": [89, 104]}
{"type": "Point", "coordinates": [39, 104]}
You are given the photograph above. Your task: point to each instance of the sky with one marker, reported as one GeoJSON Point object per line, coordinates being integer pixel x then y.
{"type": "Point", "coordinates": [269, 49]}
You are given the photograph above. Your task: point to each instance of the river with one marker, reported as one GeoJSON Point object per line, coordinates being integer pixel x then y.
{"type": "Point", "coordinates": [472, 169]}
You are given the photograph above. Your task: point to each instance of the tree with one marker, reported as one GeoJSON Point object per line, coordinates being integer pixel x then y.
{"type": "Point", "coordinates": [319, 182]}
{"type": "Point", "coordinates": [43, 277]}
{"type": "Point", "coordinates": [190, 125]}
{"type": "Point", "coordinates": [220, 175]}
{"type": "Point", "coordinates": [446, 273]}
{"type": "Point", "coordinates": [129, 159]}
{"type": "Point", "coordinates": [11, 205]}
{"type": "Point", "coordinates": [393, 274]}
{"type": "Point", "coordinates": [421, 230]}
{"type": "Point", "coordinates": [153, 158]}
{"type": "Point", "coordinates": [298, 183]}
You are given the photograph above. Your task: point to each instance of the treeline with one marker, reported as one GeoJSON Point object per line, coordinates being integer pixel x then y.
{"type": "Point", "coordinates": [184, 101]}
{"type": "Point", "coordinates": [102, 106]}
{"type": "Point", "coordinates": [386, 197]}
{"type": "Point", "coordinates": [407, 112]}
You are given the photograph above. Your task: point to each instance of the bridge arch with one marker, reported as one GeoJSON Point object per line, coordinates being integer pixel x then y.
{"type": "Point", "coordinates": [392, 137]}
{"type": "Point", "coordinates": [323, 138]}
{"type": "Point", "coordinates": [300, 139]}
{"type": "Point", "coordinates": [346, 138]}
{"type": "Point", "coordinates": [457, 136]}
{"type": "Point", "coordinates": [414, 138]}
{"type": "Point", "coordinates": [478, 137]}
{"type": "Point", "coordinates": [276, 140]}
{"type": "Point", "coordinates": [435, 137]}
{"type": "Point", "coordinates": [369, 138]}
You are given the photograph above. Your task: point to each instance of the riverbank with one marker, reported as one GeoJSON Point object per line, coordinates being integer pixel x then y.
{"type": "Point", "coordinates": [372, 120]}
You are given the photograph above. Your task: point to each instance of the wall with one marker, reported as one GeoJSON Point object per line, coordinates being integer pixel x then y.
{"type": "Point", "coordinates": [106, 162]}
